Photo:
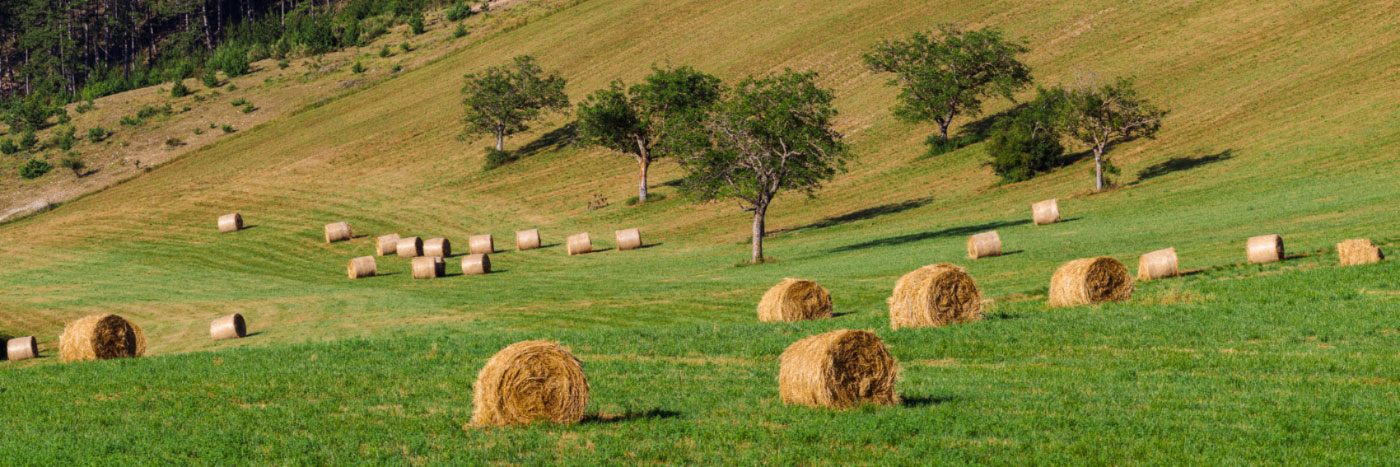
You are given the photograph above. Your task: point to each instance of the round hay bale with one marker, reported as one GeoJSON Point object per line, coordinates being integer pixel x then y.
{"type": "Point", "coordinates": [386, 245]}
{"type": "Point", "coordinates": [437, 247]}
{"type": "Point", "coordinates": [527, 382]}
{"type": "Point", "coordinates": [838, 369]}
{"type": "Point", "coordinates": [361, 267]}
{"type": "Point", "coordinates": [934, 295]}
{"type": "Point", "coordinates": [481, 244]}
{"type": "Point", "coordinates": [230, 223]}
{"type": "Point", "coordinates": [527, 239]}
{"type": "Point", "coordinates": [579, 244]}
{"type": "Point", "coordinates": [338, 232]}
{"type": "Point", "coordinates": [476, 264]}
{"type": "Point", "coordinates": [1090, 280]}
{"type": "Point", "coordinates": [1359, 251]}
{"type": "Point", "coordinates": [629, 239]}
{"type": "Point", "coordinates": [411, 247]}
{"type": "Point", "coordinates": [1264, 249]}
{"type": "Point", "coordinates": [21, 348]}
{"type": "Point", "coordinates": [794, 300]}
{"type": "Point", "coordinates": [229, 327]}
{"type": "Point", "coordinates": [1046, 212]}
{"type": "Point", "coordinates": [1157, 264]}
{"type": "Point", "coordinates": [429, 267]}
{"type": "Point", "coordinates": [984, 245]}
{"type": "Point", "coordinates": [101, 337]}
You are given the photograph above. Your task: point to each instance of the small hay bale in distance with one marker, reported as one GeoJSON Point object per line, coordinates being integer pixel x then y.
{"type": "Point", "coordinates": [437, 247]}
{"type": "Point", "coordinates": [100, 337]}
{"type": "Point", "coordinates": [629, 239]}
{"type": "Point", "coordinates": [338, 232]}
{"type": "Point", "coordinates": [481, 244]}
{"type": "Point", "coordinates": [1090, 280]}
{"type": "Point", "coordinates": [386, 245]}
{"type": "Point", "coordinates": [983, 245]}
{"type": "Point", "coordinates": [527, 382]}
{"type": "Point", "coordinates": [934, 295]}
{"type": "Point", "coordinates": [428, 267]}
{"type": "Point", "coordinates": [21, 348]}
{"type": "Point", "coordinates": [230, 223]}
{"type": "Point", "coordinates": [1358, 251]}
{"type": "Point", "coordinates": [794, 300]}
{"type": "Point", "coordinates": [527, 239]}
{"type": "Point", "coordinates": [1046, 212]}
{"type": "Point", "coordinates": [229, 327]}
{"type": "Point", "coordinates": [578, 244]}
{"type": "Point", "coordinates": [476, 264]}
{"type": "Point", "coordinates": [839, 369]}
{"type": "Point", "coordinates": [1264, 249]}
{"type": "Point", "coordinates": [361, 267]}
{"type": "Point", "coordinates": [411, 247]}
{"type": "Point", "coordinates": [1157, 264]}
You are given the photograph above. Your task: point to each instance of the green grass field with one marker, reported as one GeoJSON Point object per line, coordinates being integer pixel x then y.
{"type": "Point", "coordinates": [1284, 121]}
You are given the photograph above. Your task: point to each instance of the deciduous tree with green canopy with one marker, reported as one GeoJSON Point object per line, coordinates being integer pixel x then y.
{"type": "Point", "coordinates": [1102, 116]}
{"type": "Point", "coordinates": [502, 100]}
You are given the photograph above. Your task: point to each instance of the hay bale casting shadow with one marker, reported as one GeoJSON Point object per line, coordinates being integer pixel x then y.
{"type": "Point", "coordinates": [527, 382]}
{"type": "Point", "coordinates": [794, 300]}
{"type": "Point", "coordinates": [838, 369]}
{"type": "Point", "coordinates": [934, 295]}
{"type": "Point", "coordinates": [99, 337]}
{"type": "Point", "coordinates": [1090, 280]}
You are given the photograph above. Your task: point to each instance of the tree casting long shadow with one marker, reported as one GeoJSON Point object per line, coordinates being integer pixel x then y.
{"type": "Point", "coordinates": [1181, 163]}
{"type": "Point", "coordinates": [921, 236]}
{"type": "Point", "coordinates": [554, 140]}
{"type": "Point", "coordinates": [863, 214]}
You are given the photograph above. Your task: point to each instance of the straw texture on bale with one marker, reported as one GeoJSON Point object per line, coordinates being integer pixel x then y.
{"type": "Point", "coordinates": [410, 247]}
{"type": "Point", "coordinates": [429, 267]}
{"type": "Point", "coordinates": [530, 381]}
{"type": "Point", "coordinates": [1090, 280]}
{"type": "Point", "coordinates": [361, 267]}
{"type": "Point", "coordinates": [476, 264]}
{"type": "Point", "coordinates": [934, 295]}
{"type": "Point", "coordinates": [527, 239]}
{"type": "Point", "coordinates": [338, 232]}
{"type": "Point", "coordinates": [437, 247]}
{"type": "Point", "coordinates": [1358, 251]}
{"type": "Point", "coordinates": [101, 337]}
{"type": "Point", "coordinates": [983, 245]}
{"type": "Point", "coordinates": [21, 348]}
{"type": "Point", "coordinates": [1264, 249]}
{"type": "Point", "coordinates": [229, 327]}
{"type": "Point", "coordinates": [838, 369]}
{"type": "Point", "coordinates": [386, 245]}
{"type": "Point", "coordinates": [1046, 212]}
{"type": "Point", "coordinates": [230, 223]}
{"type": "Point", "coordinates": [579, 244]}
{"type": "Point", "coordinates": [1157, 264]}
{"type": "Point", "coordinates": [794, 300]}
{"type": "Point", "coordinates": [629, 239]}
{"type": "Point", "coordinates": [481, 244]}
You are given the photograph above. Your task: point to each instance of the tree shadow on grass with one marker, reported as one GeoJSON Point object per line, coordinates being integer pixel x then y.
{"type": "Point", "coordinates": [555, 139]}
{"type": "Point", "coordinates": [863, 214]}
{"type": "Point", "coordinates": [1177, 164]}
{"type": "Point", "coordinates": [921, 236]}
{"type": "Point", "coordinates": [651, 414]}
{"type": "Point", "coordinates": [923, 401]}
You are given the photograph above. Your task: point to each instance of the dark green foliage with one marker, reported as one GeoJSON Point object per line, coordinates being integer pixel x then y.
{"type": "Point", "coordinates": [357, 68]}
{"type": "Point", "coordinates": [283, 64]}
{"type": "Point", "coordinates": [31, 114]}
{"type": "Point", "coordinates": [460, 32]}
{"type": "Point", "coordinates": [228, 129]}
{"type": "Point", "coordinates": [174, 142]}
{"type": "Point", "coordinates": [232, 59]}
{"type": "Point", "coordinates": [33, 169]}
{"type": "Point", "coordinates": [7, 146]}
{"type": "Point", "coordinates": [496, 158]}
{"type": "Point", "coordinates": [239, 101]}
{"type": "Point", "coordinates": [85, 107]}
{"type": "Point", "coordinates": [249, 108]}
{"type": "Point", "coordinates": [406, 47]}
{"type": "Point", "coordinates": [28, 140]}
{"type": "Point", "coordinates": [384, 51]}
{"type": "Point", "coordinates": [73, 163]}
{"type": "Point", "coordinates": [503, 99]}
{"type": "Point", "coordinates": [1102, 116]}
{"type": "Point", "coordinates": [1025, 142]}
{"type": "Point", "coordinates": [179, 90]}
{"type": "Point", "coordinates": [210, 78]}
{"type": "Point", "coordinates": [415, 23]}
{"type": "Point", "coordinates": [97, 134]}
{"type": "Point", "coordinates": [130, 121]}
{"type": "Point", "coordinates": [459, 12]}
{"type": "Point", "coordinates": [147, 112]}
{"type": "Point", "coordinates": [63, 137]}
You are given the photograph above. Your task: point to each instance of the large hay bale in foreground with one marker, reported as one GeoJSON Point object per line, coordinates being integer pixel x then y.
{"type": "Point", "coordinates": [229, 327]}
{"type": "Point", "coordinates": [983, 245]}
{"type": "Point", "coordinates": [629, 239]}
{"type": "Point", "coordinates": [527, 239]}
{"type": "Point", "coordinates": [437, 247]}
{"type": "Point", "coordinates": [338, 232]}
{"type": "Point", "coordinates": [429, 267]}
{"type": "Point", "coordinates": [1157, 264]}
{"type": "Point", "coordinates": [230, 223]}
{"type": "Point", "coordinates": [386, 245]}
{"type": "Point", "coordinates": [1264, 249]}
{"type": "Point", "coordinates": [794, 300]}
{"type": "Point", "coordinates": [21, 348]}
{"type": "Point", "coordinates": [481, 244]}
{"type": "Point", "coordinates": [411, 247]}
{"type": "Point", "coordinates": [361, 267]}
{"type": "Point", "coordinates": [527, 382]}
{"type": "Point", "coordinates": [1046, 212]}
{"type": "Point", "coordinates": [476, 264]}
{"type": "Point", "coordinates": [1090, 280]}
{"type": "Point", "coordinates": [838, 369]}
{"type": "Point", "coordinates": [934, 295]}
{"type": "Point", "coordinates": [101, 337]}
{"type": "Point", "coordinates": [579, 244]}
{"type": "Point", "coordinates": [1358, 251]}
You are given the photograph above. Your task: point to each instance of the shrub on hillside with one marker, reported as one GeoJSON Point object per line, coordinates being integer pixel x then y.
{"type": "Point", "coordinates": [496, 158]}
{"type": "Point", "coordinates": [232, 59]}
{"type": "Point", "coordinates": [28, 140]}
{"type": "Point", "coordinates": [174, 142]}
{"type": "Point", "coordinates": [210, 78]}
{"type": "Point", "coordinates": [33, 169]}
{"type": "Point", "coordinates": [228, 129]}
{"type": "Point", "coordinates": [130, 121]}
{"type": "Point", "coordinates": [459, 12]}
{"type": "Point", "coordinates": [415, 23]}
{"type": "Point", "coordinates": [460, 32]}
{"type": "Point", "coordinates": [85, 107]}
{"type": "Point", "coordinates": [384, 51]}
{"type": "Point", "coordinates": [407, 47]}
{"type": "Point", "coordinates": [357, 68]}
{"type": "Point", "coordinates": [7, 146]}
{"type": "Point", "coordinates": [73, 163]}
{"type": "Point", "coordinates": [1026, 142]}
{"type": "Point", "coordinates": [97, 134]}
{"type": "Point", "coordinates": [63, 137]}
{"type": "Point", "coordinates": [179, 90]}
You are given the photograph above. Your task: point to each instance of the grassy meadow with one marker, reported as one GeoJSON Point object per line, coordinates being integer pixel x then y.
{"type": "Point", "coordinates": [1283, 121]}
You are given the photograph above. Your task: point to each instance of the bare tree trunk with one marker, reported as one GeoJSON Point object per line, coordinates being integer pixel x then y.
{"type": "Point", "coordinates": [758, 214]}
{"type": "Point", "coordinates": [500, 140]}
{"type": "Point", "coordinates": [642, 185]}
{"type": "Point", "coordinates": [1098, 168]}
{"type": "Point", "coordinates": [943, 129]}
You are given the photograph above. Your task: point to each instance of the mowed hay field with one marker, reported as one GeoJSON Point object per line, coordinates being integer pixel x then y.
{"type": "Point", "coordinates": [1284, 121]}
